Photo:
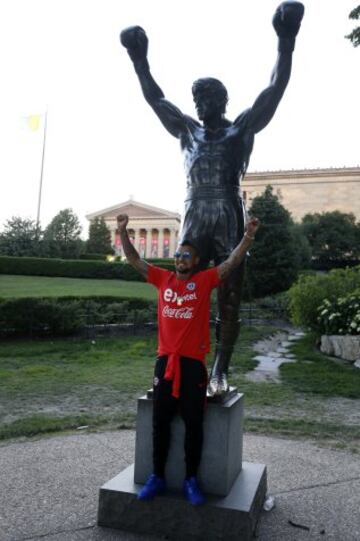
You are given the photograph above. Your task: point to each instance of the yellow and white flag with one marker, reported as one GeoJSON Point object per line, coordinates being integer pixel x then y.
{"type": "Point", "coordinates": [33, 123]}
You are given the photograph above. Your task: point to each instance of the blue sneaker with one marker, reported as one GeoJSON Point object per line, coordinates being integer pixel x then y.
{"type": "Point", "coordinates": [192, 491]}
{"type": "Point", "coordinates": [154, 486]}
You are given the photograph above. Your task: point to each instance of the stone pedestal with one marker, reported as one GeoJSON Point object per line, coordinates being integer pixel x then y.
{"type": "Point", "coordinates": [222, 447]}
{"type": "Point", "coordinates": [234, 490]}
{"type": "Point", "coordinates": [221, 519]}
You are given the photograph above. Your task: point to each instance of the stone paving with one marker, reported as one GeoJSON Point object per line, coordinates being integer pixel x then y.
{"type": "Point", "coordinates": [273, 352]}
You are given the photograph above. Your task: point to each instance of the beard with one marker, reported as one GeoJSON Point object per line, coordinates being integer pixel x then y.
{"type": "Point", "coordinates": [182, 271]}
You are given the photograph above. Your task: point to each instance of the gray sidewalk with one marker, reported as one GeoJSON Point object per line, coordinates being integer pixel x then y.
{"type": "Point", "coordinates": [49, 488]}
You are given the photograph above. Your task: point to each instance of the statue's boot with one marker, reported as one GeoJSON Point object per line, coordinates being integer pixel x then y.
{"type": "Point", "coordinates": [226, 335]}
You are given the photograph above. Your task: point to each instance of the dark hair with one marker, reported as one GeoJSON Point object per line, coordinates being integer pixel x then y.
{"type": "Point", "coordinates": [210, 85]}
{"type": "Point", "coordinates": [190, 243]}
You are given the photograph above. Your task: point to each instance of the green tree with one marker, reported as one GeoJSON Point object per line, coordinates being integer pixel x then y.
{"type": "Point", "coordinates": [62, 236]}
{"type": "Point", "coordinates": [274, 260]}
{"type": "Point", "coordinates": [21, 237]}
{"type": "Point", "coordinates": [333, 236]}
{"type": "Point", "coordinates": [354, 35]}
{"type": "Point", "coordinates": [99, 241]}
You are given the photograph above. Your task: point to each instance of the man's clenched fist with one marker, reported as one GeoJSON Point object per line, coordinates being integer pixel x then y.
{"type": "Point", "coordinates": [122, 221]}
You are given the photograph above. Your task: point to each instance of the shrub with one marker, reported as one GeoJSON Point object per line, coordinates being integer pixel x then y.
{"type": "Point", "coordinates": [341, 316]}
{"type": "Point", "coordinates": [310, 291]}
{"type": "Point", "coordinates": [93, 257]}
{"type": "Point", "coordinates": [40, 316]}
{"type": "Point", "coordinates": [66, 315]}
{"type": "Point", "coordinates": [69, 268]}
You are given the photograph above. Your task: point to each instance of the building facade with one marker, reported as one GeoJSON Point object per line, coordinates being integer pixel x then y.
{"type": "Point", "coordinates": [153, 231]}
{"type": "Point", "coordinates": [309, 190]}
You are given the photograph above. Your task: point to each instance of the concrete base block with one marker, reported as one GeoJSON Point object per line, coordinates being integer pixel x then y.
{"type": "Point", "coordinates": [222, 449]}
{"type": "Point", "coordinates": [220, 519]}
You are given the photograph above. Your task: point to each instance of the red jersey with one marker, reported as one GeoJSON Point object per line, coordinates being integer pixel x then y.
{"type": "Point", "coordinates": [183, 316]}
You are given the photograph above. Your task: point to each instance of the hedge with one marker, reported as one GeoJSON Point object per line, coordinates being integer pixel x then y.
{"type": "Point", "coordinates": [66, 315]}
{"type": "Point", "coordinates": [71, 268]}
{"type": "Point", "coordinates": [327, 265]}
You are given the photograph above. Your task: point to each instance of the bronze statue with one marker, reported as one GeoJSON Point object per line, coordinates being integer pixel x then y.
{"type": "Point", "coordinates": [217, 153]}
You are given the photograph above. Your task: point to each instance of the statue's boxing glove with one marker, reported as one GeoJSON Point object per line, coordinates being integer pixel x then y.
{"type": "Point", "coordinates": [134, 39]}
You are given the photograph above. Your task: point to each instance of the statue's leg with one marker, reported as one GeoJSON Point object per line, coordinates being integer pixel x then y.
{"type": "Point", "coordinates": [226, 329]}
{"type": "Point", "coordinates": [228, 233]}
{"type": "Point", "coordinates": [195, 229]}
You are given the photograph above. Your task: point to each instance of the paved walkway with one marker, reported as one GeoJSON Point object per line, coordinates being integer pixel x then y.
{"type": "Point", "coordinates": [49, 488]}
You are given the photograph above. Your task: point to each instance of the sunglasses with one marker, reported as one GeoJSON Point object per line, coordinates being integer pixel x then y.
{"type": "Point", "coordinates": [183, 255]}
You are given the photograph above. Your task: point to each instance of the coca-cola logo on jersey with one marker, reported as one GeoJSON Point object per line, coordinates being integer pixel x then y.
{"type": "Point", "coordinates": [178, 313]}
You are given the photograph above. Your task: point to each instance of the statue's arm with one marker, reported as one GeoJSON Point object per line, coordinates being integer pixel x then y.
{"type": "Point", "coordinates": [286, 21]}
{"type": "Point", "coordinates": [135, 41]}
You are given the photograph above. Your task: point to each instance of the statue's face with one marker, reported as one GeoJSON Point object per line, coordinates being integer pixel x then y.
{"type": "Point", "coordinates": [207, 105]}
{"type": "Point", "coordinates": [186, 261]}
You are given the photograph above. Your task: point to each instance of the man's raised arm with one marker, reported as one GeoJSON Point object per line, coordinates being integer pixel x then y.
{"type": "Point", "coordinates": [237, 255]}
{"type": "Point", "coordinates": [131, 254]}
{"type": "Point", "coordinates": [134, 39]}
{"type": "Point", "coordinates": [286, 22]}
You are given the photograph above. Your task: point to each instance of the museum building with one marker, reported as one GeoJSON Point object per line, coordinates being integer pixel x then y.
{"type": "Point", "coordinates": [153, 231]}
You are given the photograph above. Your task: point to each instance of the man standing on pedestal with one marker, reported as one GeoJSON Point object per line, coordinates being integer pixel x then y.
{"type": "Point", "coordinates": [217, 153]}
{"type": "Point", "coordinates": [180, 376]}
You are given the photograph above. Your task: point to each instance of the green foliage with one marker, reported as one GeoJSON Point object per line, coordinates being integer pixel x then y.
{"type": "Point", "coordinates": [66, 267]}
{"type": "Point", "coordinates": [276, 254]}
{"type": "Point", "coordinates": [354, 35]}
{"type": "Point", "coordinates": [310, 291]}
{"type": "Point", "coordinates": [95, 257]}
{"type": "Point", "coordinates": [34, 266]}
{"type": "Point", "coordinates": [62, 236]}
{"type": "Point", "coordinates": [66, 315]}
{"type": "Point", "coordinates": [303, 252]}
{"type": "Point", "coordinates": [99, 241]}
{"type": "Point", "coordinates": [334, 237]}
{"type": "Point", "coordinates": [275, 305]}
{"type": "Point", "coordinates": [39, 316]}
{"type": "Point", "coordinates": [21, 237]}
{"type": "Point", "coordinates": [340, 316]}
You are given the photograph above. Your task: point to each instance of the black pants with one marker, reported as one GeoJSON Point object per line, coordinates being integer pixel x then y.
{"type": "Point", "coordinates": [190, 406]}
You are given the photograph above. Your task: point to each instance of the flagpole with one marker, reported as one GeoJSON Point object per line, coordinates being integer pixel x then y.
{"type": "Point", "coordinates": [41, 173]}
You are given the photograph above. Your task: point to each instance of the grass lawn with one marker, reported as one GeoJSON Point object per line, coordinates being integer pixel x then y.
{"type": "Point", "coordinates": [42, 286]}
{"type": "Point", "coordinates": [51, 386]}
{"type": "Point", "coordinates": [319, 374]}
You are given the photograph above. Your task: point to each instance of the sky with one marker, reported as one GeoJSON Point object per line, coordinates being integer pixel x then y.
{"type": "Point", "coordinates": [103, 142]}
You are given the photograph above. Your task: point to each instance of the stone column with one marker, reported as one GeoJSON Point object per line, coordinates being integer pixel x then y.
{"type": "Point", "coordinates": [172, 243]}
{"type": "Point", "coordinates": [161, 243]}
{"type": "Point", "coordinates": [137, 238]}
{"type": "Point", "coordinates": [148, 242]}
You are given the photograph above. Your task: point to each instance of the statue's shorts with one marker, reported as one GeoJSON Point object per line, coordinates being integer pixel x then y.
{"type": "Point", "coordinates": [213, 222]}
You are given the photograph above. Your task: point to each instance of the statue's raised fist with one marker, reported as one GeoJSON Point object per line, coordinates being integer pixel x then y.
{"type": "Point", "coordinates": [135, 41]}
{"type": "Point", "coordinates": [287, 19]}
